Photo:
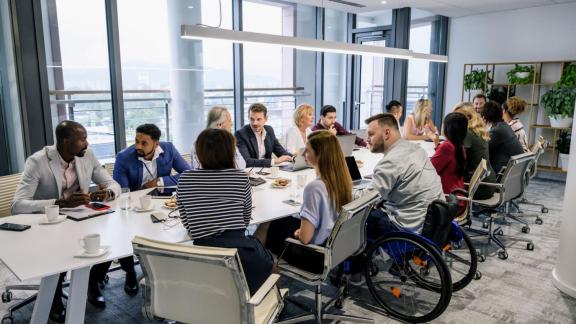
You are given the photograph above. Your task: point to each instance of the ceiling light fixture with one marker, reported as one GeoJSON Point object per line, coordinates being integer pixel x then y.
{"type": "Point", "coordinates": [201, 33]}
{"type": "Point", "coordinates": [383, 2]}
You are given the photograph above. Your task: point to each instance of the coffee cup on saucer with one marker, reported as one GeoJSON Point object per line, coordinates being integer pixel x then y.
{"type": "Point", "coordinates": [145, 202]}
{"type": "Point", "coordinates": [52, 212]}
{"type": "Point", "coordinates": [90, 243]}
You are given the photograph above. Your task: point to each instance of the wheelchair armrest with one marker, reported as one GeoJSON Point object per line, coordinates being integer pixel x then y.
{"type": "Point", "coordinates": [313, 247]}
{"type": "Point", "coordinates": [268, 285]}
{"type": "Point", "coordinates": [498, 186]}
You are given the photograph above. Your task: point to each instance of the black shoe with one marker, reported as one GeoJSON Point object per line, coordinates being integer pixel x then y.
{"type": "Point", "coordinates": [58, 312]}
{"type": "Point", "coordinates": [131, 284]}
{"type": "Point", "coordinates": [95, 297]}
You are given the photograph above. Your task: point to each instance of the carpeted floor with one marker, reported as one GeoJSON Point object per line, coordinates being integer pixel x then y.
{"type": "Point", "coordinates": [516, 290]}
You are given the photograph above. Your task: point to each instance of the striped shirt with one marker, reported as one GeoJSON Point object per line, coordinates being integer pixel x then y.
{"type": "Point", "coordinates": [520, 133]}
{"type": "Point", "coordinates": [213, 201]}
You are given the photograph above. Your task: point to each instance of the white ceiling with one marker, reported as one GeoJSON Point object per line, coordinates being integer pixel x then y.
{"type": "Point", "coordinates": [449, 8]}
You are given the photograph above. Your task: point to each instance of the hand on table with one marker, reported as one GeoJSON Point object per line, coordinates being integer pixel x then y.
{"type": "Point", "coordinates": [297, 234]}
{"type": "Point", "coordinates": [75, 200]}
{"type": "Point", "coordinates": [150, 184]}
{"type": "Point", "coordinates": [283, 158]}
{"type": "Point", "coordinates": [100, 195]}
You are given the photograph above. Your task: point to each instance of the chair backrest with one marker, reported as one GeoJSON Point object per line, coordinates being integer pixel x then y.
{"type": "Point", "coordinates": [439, 216]}
{"type": "Point", "coordinates": [348, 237]}
{"type": "Point", "coordinates": [8, 186]}
{"type": "Point", "coordinates": [538, 149]}
{"type": "Point", "coordinates": [479, 174]}
{"type": "Point", "coordinates": [193, 284]}
{"type": "Point", "coordinates": [513, 178]}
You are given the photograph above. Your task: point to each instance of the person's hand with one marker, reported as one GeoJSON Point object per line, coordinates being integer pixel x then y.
{"type": "Point", "coordinates": [297, 234]}
{"type": "Point", "coordinates": [75, 200]}
{"type": "Point", "coordinates": [333, 130]}
{"type": "Point", "coordinates": [150, 184]}
{"type": "Point", "coordinates": [283, 158]}
{"type": "Point", "coordinates": [100, 195]}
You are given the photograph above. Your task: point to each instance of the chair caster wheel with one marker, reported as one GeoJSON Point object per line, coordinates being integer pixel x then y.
{"type": "Point", "coordinates": [539, 221]}
{"type": "Point", "coordinates": [477, 275]}
{"type": "Point", "coordinates": [6, 296]}
{"type": "Point", "coordinates": [544, 210]}
{"type": "Point", "coordinates": [503, 255]}
{"type": "Point", "coordinates": [530, 246]}
{"type": "Point", "coordinates": [526, 229]}
{"type": "Point", "coordinates": [481, 258]}
{"type": "Point", "coordinates": [339, 304]}
{"type": "Point", "coordinates": [499, 232]}
{"type": "Point", "coordinates": [484, 225]}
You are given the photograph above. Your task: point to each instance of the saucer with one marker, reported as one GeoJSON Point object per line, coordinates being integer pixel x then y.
{"type": "Point", "coordinates": [83, 254]}
{"type": "Point", "coordinates": [142, 210]}
{"type": "Point", "coordinates": [60, 219]}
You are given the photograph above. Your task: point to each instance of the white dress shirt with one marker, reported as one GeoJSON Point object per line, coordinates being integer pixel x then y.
{"type": "Point", "coordinates": [149, 168]}
{"type": "Point", "coordinates": [294, 140]}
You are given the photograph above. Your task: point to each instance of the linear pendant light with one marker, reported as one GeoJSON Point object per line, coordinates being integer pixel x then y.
{"type": "Point", "coordinates": [203, 32]}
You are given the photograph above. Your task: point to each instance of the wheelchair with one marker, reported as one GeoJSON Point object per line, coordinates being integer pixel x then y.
{"type": "Point", "coordinates": [412, 276]}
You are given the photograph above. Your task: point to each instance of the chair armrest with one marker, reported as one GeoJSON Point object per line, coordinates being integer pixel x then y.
{"type": "Point", "coordinates": [264, 289]}
{"type": "Point", "coordinates": [458, 197]}
{"type": "Point", "coordinates": [495, 185]}
{"type": "Point", "coordinates": [314, 247]}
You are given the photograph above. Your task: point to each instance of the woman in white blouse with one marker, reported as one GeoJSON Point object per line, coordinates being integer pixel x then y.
{"type": "Point", "coordinates": [296, 136]}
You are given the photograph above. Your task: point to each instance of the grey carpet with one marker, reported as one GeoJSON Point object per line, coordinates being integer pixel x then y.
{"type": "Point", "coordinates": [517, 290]}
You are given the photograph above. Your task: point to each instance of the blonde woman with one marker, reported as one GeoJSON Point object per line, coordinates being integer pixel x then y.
{"type": "Point", "coordinates": [419, 125]}
{"type": "Point", "coordinates": [296, 136]}
{"type": "Point", "coordinates": [510, 109]}
{"type": "Point", "coordinates": [323, 199]}
{"type": "Point", "coordinates": [476, 146]}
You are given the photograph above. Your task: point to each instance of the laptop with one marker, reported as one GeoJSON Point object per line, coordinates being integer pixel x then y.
{"type": "Point", "coordinates": [347, 143]}
{"type": "Point", "coordinates": [299, 164]}
{"type": "Point", "coordinates": [357, 181]}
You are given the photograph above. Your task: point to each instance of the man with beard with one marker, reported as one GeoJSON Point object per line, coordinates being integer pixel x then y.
{"type": "Point", "coordinates": [61, 175]}
{"type": "Point", "coordinates": [146, 164]}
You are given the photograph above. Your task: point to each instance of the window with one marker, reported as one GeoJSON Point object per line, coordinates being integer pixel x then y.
{"type": "Point", "coordinates": [419, 70]}
{"type": "Point", "coordinates": [169, 81]}
{"type": "Point", "coordinates": [335, 29]}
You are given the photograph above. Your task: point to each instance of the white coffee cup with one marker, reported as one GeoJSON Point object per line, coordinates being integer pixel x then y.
{"type": "Point", "coordinates": [274, 172]}
{"type": "Point", "coordinates": [145, 202]}
{"type": "Point", "coordinates": [90, 243]}
{"type": "Point", "coordinates": [52, 212]}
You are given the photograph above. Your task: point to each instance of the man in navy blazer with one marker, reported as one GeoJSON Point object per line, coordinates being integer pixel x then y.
{"type": "Point", "coordinates": [146, 164]}
{"type": "Point", "coordinates": [257, 141]}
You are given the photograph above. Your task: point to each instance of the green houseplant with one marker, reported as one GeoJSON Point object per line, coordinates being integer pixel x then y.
{"type": "Point", "coordinates": [558, 104]}
{"type": "Point", "coordinates": [476, 78]}
{"type": "Point", "coordinates": [568, 78]}
{"type": "Point", "coordinates": [563, 146]}
{"type": "Point", "coordinates": [521, 74]}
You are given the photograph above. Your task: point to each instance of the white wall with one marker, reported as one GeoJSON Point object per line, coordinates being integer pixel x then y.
{"type": "Point", "coordinates": [533, 34]}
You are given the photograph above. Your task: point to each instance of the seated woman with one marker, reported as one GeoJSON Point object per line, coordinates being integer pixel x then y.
{"type": "Point", "coordinates": [476, 145]}
{"type": "Point", "coordinates": [503, 143]}
{"type": "Point", "coordinates": [296, 136]}
{"type": "Point", "coordinates": [323, 199]}
{"type": "Point", "coordinates": [215, 204]}
{"type": "Point", "coordinates": [419, 125]}
{"type": "Point", "coordinates": [449, 160]}
{"type": "Point", "coordinates": [510, 109]}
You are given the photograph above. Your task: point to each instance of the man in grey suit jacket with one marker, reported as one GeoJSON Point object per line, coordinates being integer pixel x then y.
{"type": "Point", "coordinates": [61, 175]}
{"type": "Point", "coordinates": [256, 141]}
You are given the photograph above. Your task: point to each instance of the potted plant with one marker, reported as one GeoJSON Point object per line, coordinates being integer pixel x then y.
{"type": "Point", "coordinates": [568, 77]}
{"type": "Point", "coordinates": [558, 104]}
{"type": "Point", "coordinates": [521, 74]}
{"type": "Point", "coordinates": [563, 146]}
{"type": "Point", "coordinates": [476, 78]}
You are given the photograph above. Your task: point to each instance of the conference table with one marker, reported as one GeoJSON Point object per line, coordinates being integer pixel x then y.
{"type": "Point", "coordinates": [45, 251]}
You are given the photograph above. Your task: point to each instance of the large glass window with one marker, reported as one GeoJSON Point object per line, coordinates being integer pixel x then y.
{"type": "Point", "coordinates": [335, 29]}
{"type": "Point", "coordinates": [419, 70]}
{"type": "Point", "coordinates": [169, 81]}
{"type": "Point", "coordinates": [78, 72]}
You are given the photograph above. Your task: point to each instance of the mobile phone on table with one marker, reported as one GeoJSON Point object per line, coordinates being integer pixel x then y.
{"type": "Point", "coordinates": [14, 227]}
{"type": "Point", "coordinates": [97, 206]}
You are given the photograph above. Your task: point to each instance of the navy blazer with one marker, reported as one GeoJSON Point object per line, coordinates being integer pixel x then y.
{"type": "Point", "coordinates": [128, 169]}
{"type": "Point", "coordinates": [248, 146]}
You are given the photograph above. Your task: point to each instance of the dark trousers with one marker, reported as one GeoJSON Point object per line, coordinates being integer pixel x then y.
{"type": "Point", "coordinates": [300, 257]}
{"type": "Point", "coordinates": [256, 261]}
{"type": "Point", "coordinates": [127, 264]}
{"type": "Point", "coordinates": [97, 275]}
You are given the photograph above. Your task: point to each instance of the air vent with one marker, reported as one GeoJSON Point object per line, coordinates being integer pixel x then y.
{"type": "Point", "coordinates": [348, 3]}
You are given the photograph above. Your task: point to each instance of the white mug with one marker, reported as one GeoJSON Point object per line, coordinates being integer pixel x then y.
{"type": "Point", "coordinates": [145, 202]}
{"type": "Point", "coordinates": [274, 172]}
{"type": "Point", "coordinates": [90, 243]}
{"type": "Point", "coordinates": [52, 212]}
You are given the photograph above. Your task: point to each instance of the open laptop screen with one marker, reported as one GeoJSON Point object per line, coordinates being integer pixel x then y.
{"type": "Point", "coordinates": [353, 168]}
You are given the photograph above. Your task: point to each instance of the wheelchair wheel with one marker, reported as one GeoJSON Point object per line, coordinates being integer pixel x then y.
{"type": "Point", "coordinates": [462, 261]}
{"type": "Point", "coordinates": [398, 274]}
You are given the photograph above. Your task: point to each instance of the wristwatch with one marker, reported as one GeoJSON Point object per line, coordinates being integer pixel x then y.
{"type": "Point", "coordinates": [111, 194]}
{"type": "Point", "coordinates": [159, 182]}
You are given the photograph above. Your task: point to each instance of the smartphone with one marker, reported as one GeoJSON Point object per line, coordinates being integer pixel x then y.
{"type": "Point", "coordinates": [14, 227]}
{"type": "Point", "coordinates": [98, 206]}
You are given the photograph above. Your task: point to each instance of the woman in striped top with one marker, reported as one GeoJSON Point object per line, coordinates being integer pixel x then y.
{"type": "Point", "coordinates": [215, 204]}
{"type": "Point", "coordinates": [510, 109]}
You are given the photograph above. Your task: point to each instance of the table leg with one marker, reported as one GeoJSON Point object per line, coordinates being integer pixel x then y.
{"type": "Point", "coordinates": [44, 299]}
{"type": "Point", "coordinates": [76, 308]}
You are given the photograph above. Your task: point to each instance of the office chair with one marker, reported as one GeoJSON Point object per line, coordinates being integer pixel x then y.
{"type": "Point", "coordinates": [347, 238]}
{"type": "Point", "coordinates": [197, 284]}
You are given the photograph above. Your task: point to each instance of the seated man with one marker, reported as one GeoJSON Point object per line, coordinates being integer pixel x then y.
{"type": "Point", "coordinates": [404, 177]}
{"type": "Point", "coordinates": [61, 175]}
{"type": "Point", "coordinates": [328, 121]}
{"type": "Point", "coordinates": [146, 164]}
{"type": "Point", "coordinates": [256, 141]}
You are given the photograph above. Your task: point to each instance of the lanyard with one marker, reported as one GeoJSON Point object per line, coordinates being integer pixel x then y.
{"type": "Point", "coordinates": [145, 166]}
